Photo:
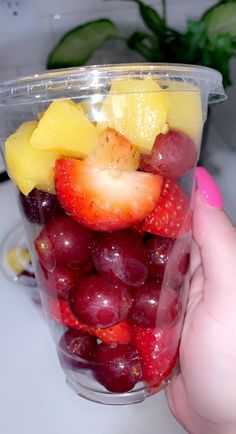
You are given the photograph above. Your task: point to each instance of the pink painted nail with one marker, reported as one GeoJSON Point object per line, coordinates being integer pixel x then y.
{"type": "Point", "coordinates": [208, 188]}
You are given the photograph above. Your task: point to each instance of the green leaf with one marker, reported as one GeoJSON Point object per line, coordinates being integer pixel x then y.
{"type": "Point", "coordinates": [222, 20]}
{"type": "Point", "coordinates": [77, 46]}
{"type": "Point", "coordinates": [218, 54]}
{"type": "Point", "coordinates": [146, 45]}
{"type": "Point", "coordinates": [197, 47]}
{"type": "Point", "coordinates": [193, 41]}
{"type": "Point", "coordinates": [208, 12]}
{"type": "Point", "coordinates": [150, 16]}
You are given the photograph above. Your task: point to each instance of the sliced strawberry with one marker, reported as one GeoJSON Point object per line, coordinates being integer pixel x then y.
{"type": "Point", "coordinates": [158, 350]}
{"type": "Point", "coordinates": [105, 200]}
{"type": "Point", "coordinates": [171, 218]}
{"type": "Point", "coordinates": [114, 151]}
{"type": "Point", "coordinates": [117, 334]}
{"type": "Point", "coordinates": [61, 313]}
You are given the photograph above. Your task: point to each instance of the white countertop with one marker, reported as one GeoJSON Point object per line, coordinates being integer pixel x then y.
{"type": "Point", "coordinates": [34, 398]}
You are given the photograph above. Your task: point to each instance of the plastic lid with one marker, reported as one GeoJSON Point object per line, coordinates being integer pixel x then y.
{"type": "Point", "coordinates": [86, 81]}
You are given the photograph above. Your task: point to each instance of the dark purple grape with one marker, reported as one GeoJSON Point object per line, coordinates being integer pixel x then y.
{"type": "Point", "coordinates": [173, 155]}
{"type": "Point", "coordinates": [184, 262]}
{"type": "Point", "coordinates": [39, 206]}
{"type": "Point", "coordinates": [99, 301]}
{"type": "Point", "coordinates": [118, 367]}
{"type": "Point", "coordinates": [75, 345]}
{"type": "Point", "coordinates": [164, 252]}
{"type": "Point", "coordinates": [152, 307]}
{"type": "Point", "coordinates": [158, 251]}
{"type": "Point", "coordinates": [65, 242]}
{"type": "Point", "coordinates": [58, 282]}
{"type": "Point", "coordinates": [145, 304]}
{"type": "Point", "coordinates": [120, 255]}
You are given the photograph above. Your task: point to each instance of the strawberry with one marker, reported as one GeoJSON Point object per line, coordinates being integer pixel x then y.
{"type": "Point", "coordinates": [171, 217]}
{"type": "Point", "coordinates": [114, 151]}
{"type": "Point", "coordinates": [117, 334]}
{"type": "Point", "coordinates": [158, 351]}
{"type": "Point", "coordinates": [105, 200]}
{"type": "Point", "coordinates": [61, 313]}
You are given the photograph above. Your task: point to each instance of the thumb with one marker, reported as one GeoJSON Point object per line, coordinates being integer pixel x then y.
{"type": "Point", "coordinates": [216, 238]}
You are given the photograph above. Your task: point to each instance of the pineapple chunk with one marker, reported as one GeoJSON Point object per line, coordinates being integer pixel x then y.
{"type": "Point", "coordinates": [18, 258]}
{"type": "Point", "coordinates": [29, 167]}
{"type": "Point", "coordinates": [65, 128]}
{"type": "Point", "coordinates": [185, 112]}
{"type": "Point", "coordinates": [137, 109]}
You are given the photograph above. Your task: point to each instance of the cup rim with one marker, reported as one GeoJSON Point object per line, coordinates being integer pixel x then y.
{"type": "Point", "coordinates": [43, 86]}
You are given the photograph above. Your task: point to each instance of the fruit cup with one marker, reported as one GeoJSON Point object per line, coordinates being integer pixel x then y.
{"type": "Point", "coordinates": [103, 161]}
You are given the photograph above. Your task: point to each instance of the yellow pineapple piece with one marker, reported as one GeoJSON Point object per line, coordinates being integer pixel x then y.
{"type": "Point", "coordinates": [29, 167]}
{"type": "Point", "coordinates": [18, 258]}
{"type": "Point", "coordinates": [65, 128]}
{"type": "Point", "coordinates": [137, 109]}
{"type": "Point", "coordinates": [185, 110]}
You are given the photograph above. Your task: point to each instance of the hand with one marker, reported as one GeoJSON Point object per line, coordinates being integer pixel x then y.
{"type": "Point", "coordinates": [203, 396]}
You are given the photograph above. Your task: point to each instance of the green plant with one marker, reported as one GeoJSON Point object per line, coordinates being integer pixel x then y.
{"type": "Point", "coordinates": [208, 41]}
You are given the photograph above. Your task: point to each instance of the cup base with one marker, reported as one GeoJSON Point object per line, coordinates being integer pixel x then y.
{"type": "Point", "coordinates": [104, 397]}
{"type": "Point", "coordinates": [84, 385]}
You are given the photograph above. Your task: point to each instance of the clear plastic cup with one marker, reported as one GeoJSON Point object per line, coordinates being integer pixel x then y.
{"type": "Point", "coordinates": [103, 160]}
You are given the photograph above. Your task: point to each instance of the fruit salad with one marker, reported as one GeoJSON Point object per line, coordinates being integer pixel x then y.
{"type": "Point", "coordinates": [108, 214]}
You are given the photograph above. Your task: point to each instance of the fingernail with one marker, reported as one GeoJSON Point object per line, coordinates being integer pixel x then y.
{"type": "Point", "coordinates": [208, 188]}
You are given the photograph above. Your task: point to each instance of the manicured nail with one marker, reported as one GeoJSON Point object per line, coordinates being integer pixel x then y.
{"type": "Point", "coordinates": [208, 188]}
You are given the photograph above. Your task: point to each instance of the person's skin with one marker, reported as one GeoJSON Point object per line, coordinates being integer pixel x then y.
{"type": "Point", "coordinates": [203, 396]}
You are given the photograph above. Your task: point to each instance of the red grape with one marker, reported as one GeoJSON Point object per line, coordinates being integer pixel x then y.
{"type": "Point", "coordinates": [62, 241]}
{"type": "Point", "coordinates": [40, 206]}
{"type": "Point", "coordinates": [178, 264]}
{"type": "Point", "coordinates": [183, 264]}
{"type": "Point", "coordinates": [169, 308]}
{"type": "Point", "coordinates": [154, 307]}
{"type": "Point", "coordinates": [158, 251]}
{"type": "Point", "coordinates": [120, 255]}
{"type": "Point", "coordinates": [173, 155]}
{"type": "Point", "coordinates": [99, 301]}
{"type": "Point", "coordinates": [76, 344]}
{"type": "Point", "coordinates": [118, 367]}
{"type": "Point", "coordinates": [145, 304]}
{"type": "Point", "coordinates": [58, 282]}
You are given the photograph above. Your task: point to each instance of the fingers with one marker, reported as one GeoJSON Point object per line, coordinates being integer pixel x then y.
{"type": "Point", "coordinates": [216, 238]}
